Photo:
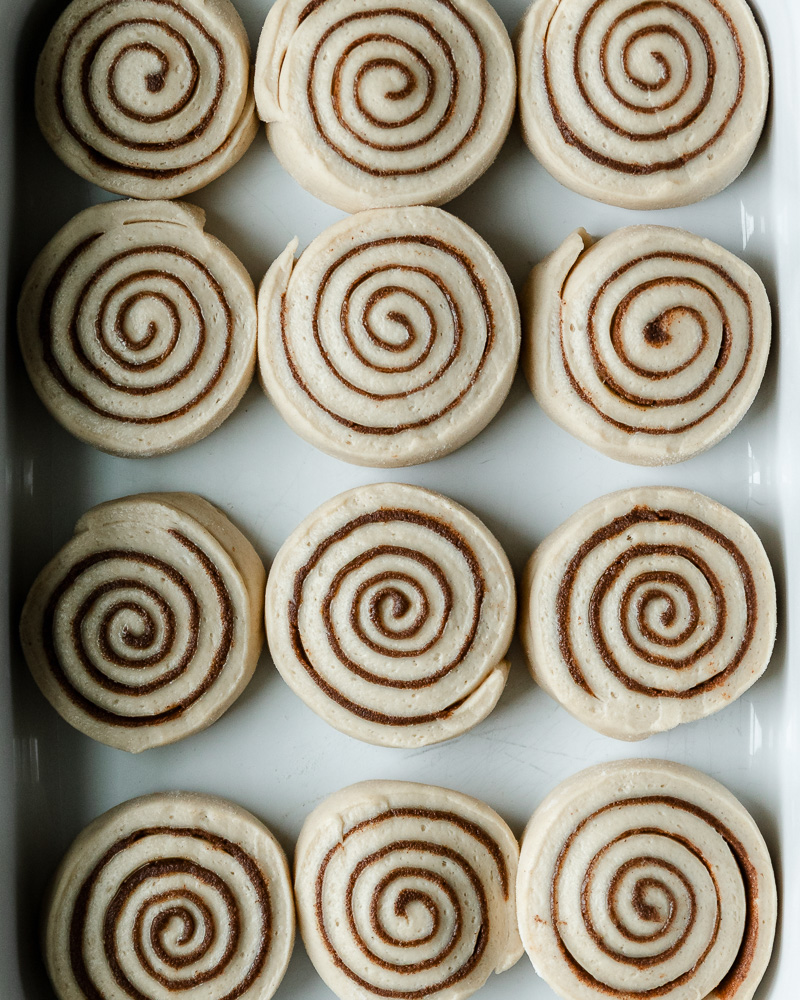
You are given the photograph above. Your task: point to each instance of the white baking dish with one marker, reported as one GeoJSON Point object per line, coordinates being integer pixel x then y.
{"type": "Point", "coordinates": [522, 475]}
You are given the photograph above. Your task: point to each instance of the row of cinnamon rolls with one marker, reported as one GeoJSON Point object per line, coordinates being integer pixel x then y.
{"type": "Point", "coordinates": [393, 339]}
{"type": "Point", "coordinates": [641, 105]}
{"type": "Point", "coordinates": [390, 610]}
{"type": "Point", "coordinates": [639, 877]}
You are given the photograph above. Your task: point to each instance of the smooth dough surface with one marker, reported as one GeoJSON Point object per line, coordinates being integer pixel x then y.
{"type": "Point", "coordinates": [147, 98]}
{"type": "Point", "coordinates": [389, 611]}
{"type": "Point", "coordinates": [642, 105]}
{"type": "Point", "coordinates": [644, 877]}
{"type": "Point", "coordinates": [392, 340]}
{"type": "Point", "coordinates": [648, 608]}
{"type": "Point", "coordinates": [371, 103]}
{"type": "Point", "coordinates": [406, 891]}
{"type": "Point", "coordinates": [147, 625]}
{"type": "Point", "coordinates": [138, 328]}
{"type": "Point", "coordinates": [171, 894]}
{"type": "Point", "coordinates": [649, 345]}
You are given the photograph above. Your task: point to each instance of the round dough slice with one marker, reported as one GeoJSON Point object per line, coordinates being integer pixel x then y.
{"type": "Point", "coordinates": [648, 608]}
{"type": "Point", "coordinates": [646, 878]}
{"type": "Point", "coordinates": [376, 103]}
{"type": "Point", "coordinates": [406, 891]}
{"type": "Point", "coordinates": [138, 329]}
{"type": "Point", "coordinates": [389, 612]}
{"type": "Point", "coordinates": [171, 894]}
{"type": "Point", "coordinates": [649, 345]}
{"type": "Point", "coordinates": [147, 98]}
{"type": "Point", "coordinates": [642, 105]}
{"type": "Point", "coordinates": [392, 340]}
{"type": "Point", "coordinates": [147, 625]}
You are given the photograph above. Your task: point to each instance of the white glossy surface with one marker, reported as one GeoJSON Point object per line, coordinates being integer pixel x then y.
{"type": "Point", "coordinates": [522, 475]}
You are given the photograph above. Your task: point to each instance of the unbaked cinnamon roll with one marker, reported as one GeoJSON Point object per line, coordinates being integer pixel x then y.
{"type": "Point", "coordinates": [648, 608]}
{"type": "Point", "coordinates": [392, 340]}
{"type": "Point", "coordinates": [649, 345]}
{"type": "Point", "coordinates": [167, 894]}
{"type": "Point", "coordinates": [379, 103]}
{"type": "Point", "coordinates": [389, 612]}
{"type": "Point", "coordinates": [147, 98]}
{"type": "Point", "coordinates": [406, 891]}
{"type": "Point", "coordinates": [642, 104]}
{"type": "Point", "coordinates": [646, 878]}
{"type": "Point", "coordinates": [147, 625]}
{"type": "Point", "coordinates": [138, 328]}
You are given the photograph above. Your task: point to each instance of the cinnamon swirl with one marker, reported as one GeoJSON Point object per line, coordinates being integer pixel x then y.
{"type": "Point", "coordinates": [392, 340]}
{"type": "Point", "coordinates": [138, 329]}
{"type": "Point", "coordinates": [147, 98]}
{"type": "Point", "coordinates": [378, 103]}
{"type": "Point", "coordinates": [649, 345]}
{"type": "Point", "coordinates": [646, 878]}
{"type": "Point", "coordinates": [648, 608]}
{"type": "Point", "coordinates": [406, 891]}
{"type": "Point", "coordinates": [171, 893]}
{"type": "Point", "coordinates": [389, 611]}
{"type": "Point", "coordinates": [642, 103]}
{"type": "Point", "coordinates": [147, 625]}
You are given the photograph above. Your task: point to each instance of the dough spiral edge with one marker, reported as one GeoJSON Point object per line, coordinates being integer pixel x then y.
{"type": "Point", "coordinates": [106, 79]}
{"type": "Point", "coordinates": [646, 876]}
{"type": "Point", "coordinates": [378, 609]}
{"type": "Point", "coordinates": [648, 608]}
{"type": "Point", "coordinates": [363, 106]}
{"type": "Point", "coordinates": [410, 848]}
{"type": "Point", "coordinates": [137, 328]}
{"type": "Point", "coordinates": [650, 344]}
{"type": "Point", "coordinates": [405, 315]}
{"type": "Point", "coordinates": [128, 647]}
{"type": "Point", "coordinates": [632, 103]}
{"type": "Point", "coordinates": [171, 891]}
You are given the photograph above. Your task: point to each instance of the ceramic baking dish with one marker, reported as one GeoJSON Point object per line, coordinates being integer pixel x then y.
{"type": "Point", "coordinates": [523, 476]}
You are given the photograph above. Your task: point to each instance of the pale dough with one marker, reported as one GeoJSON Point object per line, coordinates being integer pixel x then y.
{"type": "Point", "coordinates": [406, 890]}
{"type": "Point", "coordinates": [147, 625]}
{"type": "Point", "coordinates": [648, 608]}
{"type": "Point", "coordinates": [389, 612]}
{"type": "Point", "coordinates": [643, 877]}
{"type": "Point", "coordinates": [138, 328]}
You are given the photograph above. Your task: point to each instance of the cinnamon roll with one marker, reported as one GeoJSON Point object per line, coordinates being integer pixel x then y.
{"type": "Point", "coordinates": [392, 340]}
{"type": "Point", "coordinates": [642, 104]}
{"type": "Point", "coordinates": [379, 103]}
{"type": "Point", "coordinates": [406, 891]}
{"type": "Point", "coordinates": [138, 329]}
{"type": "Point", "coordinates": [646, 878]}
{"type": "Point", "coordinates": [147, 625]}
{"type": "Point", "coordinates": [648, 608]}
{"type": "Point", "coordinates": [171, 893]}
{"type": "Point", "coordinates": [649, 345]}
{"type": "Point", "coordinates": [389, 612]}
{"type": "Point", "coordinates": [147, 98]}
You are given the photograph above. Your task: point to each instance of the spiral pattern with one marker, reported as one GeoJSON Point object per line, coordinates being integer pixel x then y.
{"type": "Point", "coordinates": [649, 345]}
{"type": "Point", "coordinates": [643, 103]}
{"type": "Point", "coordinates": [144, 628]}
{"type": "Point", "coordinates": [389, 611]}
{"type": "Point", "coordinates": [392, 340]}
{"type": "Point", "coordinates": [396, 104]}
{"type": "Point", "coordinates": [648, 608]}
{"type": "Point", "coordinates": [148, 98]}
{"type": "Point", "coordinates": [646, 878]}
{"type": "Point", "coordinates": [406, 891]}
{"type": "Point", "coordinates": [137, 328]}
{"type": "Point", "coordinates": [171, 893]}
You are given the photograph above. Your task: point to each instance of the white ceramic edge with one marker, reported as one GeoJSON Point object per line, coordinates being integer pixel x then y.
{"type": "Point", "coordinates": [786, 91]}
